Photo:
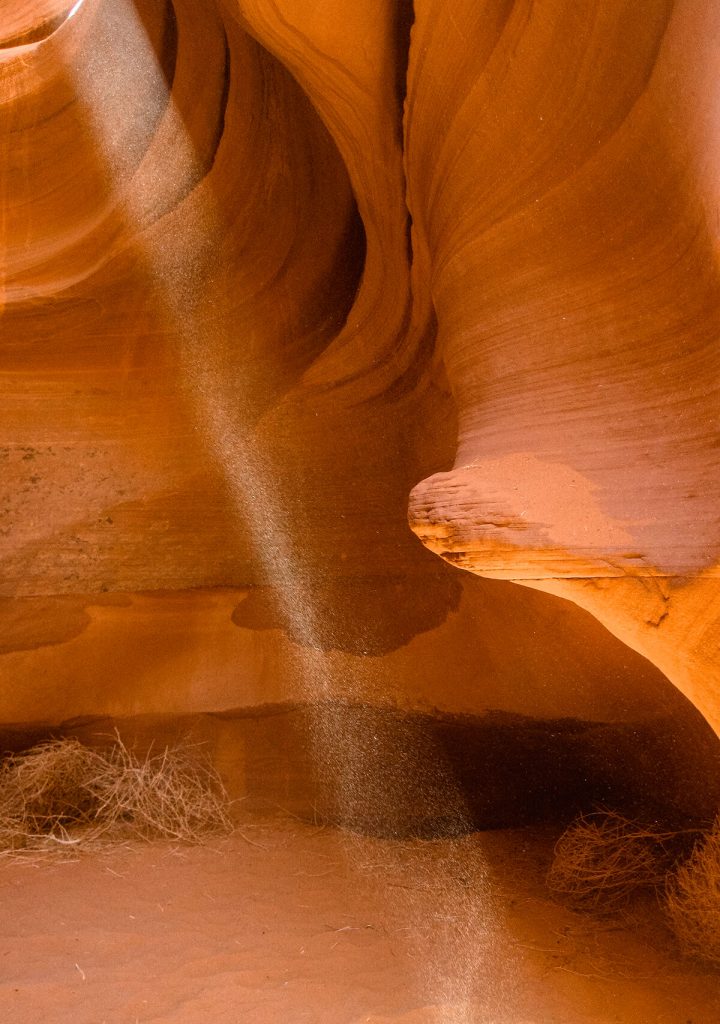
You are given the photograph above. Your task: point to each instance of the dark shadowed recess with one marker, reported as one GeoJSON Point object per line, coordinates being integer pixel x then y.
{"type": "Point", "coordinates": [38, 32]}
{"type": "Point", "coordinates": [404, 11]}
{"type": "Point", "coordinates": [166, 45]}
{"type": "Point", "coordinates": [166, 48]}
{"type": "Point", "coordinates": [384, 772]}
{"type": "Point", "coordinates": [402, 25]}
{"type": "Point", "coordinates": [371, 615]}
{"type": "Point", "coordinates": [285, 115]}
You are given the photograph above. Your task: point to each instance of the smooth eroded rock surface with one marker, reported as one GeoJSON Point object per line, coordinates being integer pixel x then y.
{"type": "Point", "coordinates": [268, 268]}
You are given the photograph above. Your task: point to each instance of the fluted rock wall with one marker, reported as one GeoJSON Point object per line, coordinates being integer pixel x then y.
{"type": "Point", "coordinates": [571, 220]}
{"type": "Point", "coordinates": [250, 291]}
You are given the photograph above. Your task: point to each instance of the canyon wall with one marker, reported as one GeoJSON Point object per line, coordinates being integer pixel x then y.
{"type": "Point", "coordinates": [271, 267]}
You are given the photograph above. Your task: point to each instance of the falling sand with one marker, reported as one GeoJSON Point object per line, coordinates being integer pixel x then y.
{"type": "Point", "coordinates": [285, 922]}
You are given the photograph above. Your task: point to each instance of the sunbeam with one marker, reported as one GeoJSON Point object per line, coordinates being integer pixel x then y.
{"type": "Point", "coordinates": [457, 930]}
{"type": "Point", "coordinates": [358, 440]}
{"type": "Point", "coordinates": [177, 285]}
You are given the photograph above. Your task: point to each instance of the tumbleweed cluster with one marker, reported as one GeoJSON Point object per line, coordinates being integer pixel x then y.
{"type": "Point", "coordinates": [692, 899]}
{"type": "Point", "coordinates": [62, 794]}
{"type": "Point", "coordinates": [603, 858]}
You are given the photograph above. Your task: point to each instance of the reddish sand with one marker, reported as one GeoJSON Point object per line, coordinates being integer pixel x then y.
{"type": "Point", "coordinates": [286, 923]}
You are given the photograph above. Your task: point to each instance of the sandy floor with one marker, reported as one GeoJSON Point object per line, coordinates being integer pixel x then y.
{"type": "Point", "coordinates": [286, 923]}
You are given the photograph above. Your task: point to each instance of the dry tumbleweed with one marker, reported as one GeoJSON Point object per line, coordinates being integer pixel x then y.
{"type": "Point", "coordinates": [692, 899]}
{"type": "Point", "coordinates": [62, 794]}
{"type": "Point", "coordinates": [601, 859]}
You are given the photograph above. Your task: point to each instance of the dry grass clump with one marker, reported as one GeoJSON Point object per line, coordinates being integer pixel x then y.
{"type": "Point", "coordinates": [692, 899]}
{"type": "Point", "coordinates": [603, 858]}
{"type": "Point", "coordinates": [62, 794]}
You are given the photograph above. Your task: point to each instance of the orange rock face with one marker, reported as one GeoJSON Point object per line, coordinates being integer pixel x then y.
{"type": "Point", "coordinates": [265, 262]}
{"type": "Point", "coordinates": [571, 221]}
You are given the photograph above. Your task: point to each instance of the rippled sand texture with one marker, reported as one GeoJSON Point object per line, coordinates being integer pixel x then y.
{"type": "Point", "coordinates": [306, 925]}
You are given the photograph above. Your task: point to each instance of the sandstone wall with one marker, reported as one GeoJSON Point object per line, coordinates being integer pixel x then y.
{"type": "Point", "coordinates": [252, 294]}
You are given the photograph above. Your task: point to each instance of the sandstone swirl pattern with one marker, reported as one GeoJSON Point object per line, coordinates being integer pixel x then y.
{"type": "Point", "coordinates": [269, 265]}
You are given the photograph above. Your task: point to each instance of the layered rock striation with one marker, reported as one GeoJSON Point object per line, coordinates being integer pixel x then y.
{"type": "Point", "coordinates": [571, 218]}
{"type": "Point", "coordinates": [266, 265]}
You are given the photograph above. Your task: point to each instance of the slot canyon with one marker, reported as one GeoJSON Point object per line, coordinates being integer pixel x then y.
{"type": "Point", "coordinates": [359, 426]}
